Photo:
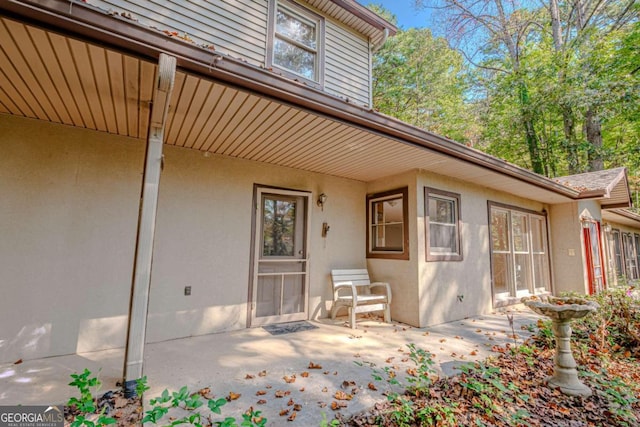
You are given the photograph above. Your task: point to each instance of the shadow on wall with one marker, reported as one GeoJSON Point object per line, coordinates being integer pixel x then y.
{"type": "Point", "coordinates": [30, 342]}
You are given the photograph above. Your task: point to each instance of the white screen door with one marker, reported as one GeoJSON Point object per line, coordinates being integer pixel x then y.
{"type": "Point", "coordinates": [280, 271]}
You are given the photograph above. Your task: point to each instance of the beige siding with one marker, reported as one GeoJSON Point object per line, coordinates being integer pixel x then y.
{"type": "Point", "coordinates": [239, 29]}
{"type": "Point", "coordinates": [234, 27]}
{"type": "Point", "coordinates": [346, 63]}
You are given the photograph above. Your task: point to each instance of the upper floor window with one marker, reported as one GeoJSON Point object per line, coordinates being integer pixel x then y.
{"type": "Point", "coordinates": [387, 236]}
{"type": "Point", "coordinates": [296, 36]}
{"type": "Point", "coordinates": [443, 225]}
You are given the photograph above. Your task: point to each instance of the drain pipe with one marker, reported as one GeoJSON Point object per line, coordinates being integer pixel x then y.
{"type": "Point", "coordinates": [373, 49]}
{"type": "Point", "coordinates": [139, 302]}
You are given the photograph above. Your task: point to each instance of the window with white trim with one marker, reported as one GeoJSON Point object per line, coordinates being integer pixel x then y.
{"type": "Point", "coordinates": [519, 253]}
{"type": "Point", "coordinates": [296, 41]}
{"type": "Point", "coordinates": [442, 210]}
{"type": "Point", "coordinates": [387, 235]}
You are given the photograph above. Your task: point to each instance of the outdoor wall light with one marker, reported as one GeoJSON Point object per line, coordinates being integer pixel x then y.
{"type": "Point", "coordinates": [322, 199]}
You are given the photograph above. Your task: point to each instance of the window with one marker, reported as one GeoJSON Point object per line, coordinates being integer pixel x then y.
{"type": "Point", "coordinates": [631, 269]}
{"type": "Point", "coordinates": [637, 245]}
{"type": "Point", "coordinates": [442, 225]}
{"type": "Point", "coordinates": [617, 253]}
{"type": "Point", "coordinates": [387, 235]}
{"type": "Point", "coordinates": [295, 46]}
{"type": "Point", "coordinates": [519, 253]}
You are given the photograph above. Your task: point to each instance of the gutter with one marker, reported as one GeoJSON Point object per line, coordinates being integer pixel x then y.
{"type": "Point", "coordinates": [627, 214]}
{"type": "Point", "coordinates": [366, 15]}
{"type": "Point", "coordinates": [92, 24]}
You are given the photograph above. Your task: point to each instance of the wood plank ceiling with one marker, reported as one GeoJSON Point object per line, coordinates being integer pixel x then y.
{"type": "Point", "coordinates": [50, 77]}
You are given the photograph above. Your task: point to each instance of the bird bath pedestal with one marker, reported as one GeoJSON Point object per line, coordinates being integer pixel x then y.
{"type": "Point", "coordinates": [562, 311]}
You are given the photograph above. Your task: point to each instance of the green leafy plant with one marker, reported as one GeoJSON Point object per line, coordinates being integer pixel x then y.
{"type": "Point", "coordinates": [141, 386]}
{"type": "Point", "coordinates": [419, 381]}
{"type": "Point", "coordinates": [86, 407]}
{"type": "Point", "coordinates": [326, 423]}
{"type": "Point", "coordinates": [190, 402]}
{"type": "Point", "coordinates": [86, 403]}
{"type": "Point", "coordinates": [438, 414]}
{"type": "Point", "coordinates": [620, 395]}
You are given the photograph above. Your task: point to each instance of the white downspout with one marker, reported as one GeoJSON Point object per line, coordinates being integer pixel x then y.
{"type": "Point", "coordinates": [139, 303]}
{"type": "Point", "coordinates": [373, 49]}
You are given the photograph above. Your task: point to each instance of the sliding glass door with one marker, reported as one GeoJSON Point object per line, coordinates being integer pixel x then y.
{"type": "Point", "coordinates": [519, 253]}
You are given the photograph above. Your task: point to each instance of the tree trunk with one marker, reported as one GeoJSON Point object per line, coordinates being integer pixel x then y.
{"type": "Point", "coordinates": [593, 129]}
{"type": "Point", "coordinates": [570, 140]}
{"type": "Point", "coordinates": [531, 136]}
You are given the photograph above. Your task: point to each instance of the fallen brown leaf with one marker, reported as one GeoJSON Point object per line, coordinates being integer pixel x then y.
{"type": "Point", "coordinates": [338, 405]}
{"type": "Point", "coordinates": [341, 395]}
{"type": "Point", "coordinates": [282, 393]}
{"type": "Point", "coordinates": [314, 366]}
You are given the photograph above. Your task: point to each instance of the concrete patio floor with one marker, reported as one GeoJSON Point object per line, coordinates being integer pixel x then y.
{"type": "Point", "coordinates": [234, 361]}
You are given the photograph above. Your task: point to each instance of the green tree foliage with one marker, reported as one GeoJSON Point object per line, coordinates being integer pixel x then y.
{"type": "Point", "coordinates": [551, 85]}
{"type": "Point", "coordinates": [419, 79]}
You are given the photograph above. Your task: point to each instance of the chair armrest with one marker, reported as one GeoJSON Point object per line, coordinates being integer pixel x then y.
{"type": "Point", "coordinates": [385, 286]}
{"type": "Point", "coordinates": [350, 287]}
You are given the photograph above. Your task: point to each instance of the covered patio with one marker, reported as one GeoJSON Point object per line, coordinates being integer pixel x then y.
{"type": "Point", "coordinates": [233, 361]}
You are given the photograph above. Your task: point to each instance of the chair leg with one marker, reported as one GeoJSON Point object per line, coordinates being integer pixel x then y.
{"type": "Point", "coordinates": [334, 311]}
{"type": "Point", "coordinates": [387, 314]}
{"type": "Point", "coordinates": [352, 317]}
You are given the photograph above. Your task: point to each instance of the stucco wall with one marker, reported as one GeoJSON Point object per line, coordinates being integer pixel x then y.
{"type": "Point", "coordinates": [568, 249]}
{"type": "Point", "coordinates": [203, 240]}
{"type": "Point", "coordinates": [68, 218]}
{"type": "Point", "coordinates": [401, 274]}
{"type": "Point", "coordinates": [427, 293]}
{"type": "Point", "coordinates": [453, 290]}
{"type": "Point", "coordinates": [68, 222]}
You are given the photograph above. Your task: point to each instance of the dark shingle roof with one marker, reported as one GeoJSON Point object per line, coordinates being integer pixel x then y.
{"type": "Point", "coordinates": [603, 180]}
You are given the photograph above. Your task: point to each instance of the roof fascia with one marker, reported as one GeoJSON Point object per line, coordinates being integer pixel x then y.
{"type": "Point", "coordinates": [627, 214]}
{"type": "Point", "coordinates": [366, 15]}
{"type": "Point", "coordinates": [89, 23]}
{"type": "Point", "coordinates": [615, 206]}
{"type": "Point", "coordinates": [594, 194]}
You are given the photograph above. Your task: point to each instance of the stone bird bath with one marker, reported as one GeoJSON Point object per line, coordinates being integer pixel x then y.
{"type": "Point", "coordinates": [562, 311]}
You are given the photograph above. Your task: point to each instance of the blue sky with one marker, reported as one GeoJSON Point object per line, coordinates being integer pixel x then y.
{"type": "Point", "coordinates": [407, 15]}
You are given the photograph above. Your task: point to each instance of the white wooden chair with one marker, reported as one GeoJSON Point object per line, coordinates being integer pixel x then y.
{"type": "Point", "coordinates": [353, 289]}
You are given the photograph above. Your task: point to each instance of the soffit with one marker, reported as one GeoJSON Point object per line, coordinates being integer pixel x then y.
{"type": "Point", "coordinates": [47, 76]}
{"type": "Point", "coordinates": [623, 217]}
{"type": "Point", "coordinates": [355, 16]}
